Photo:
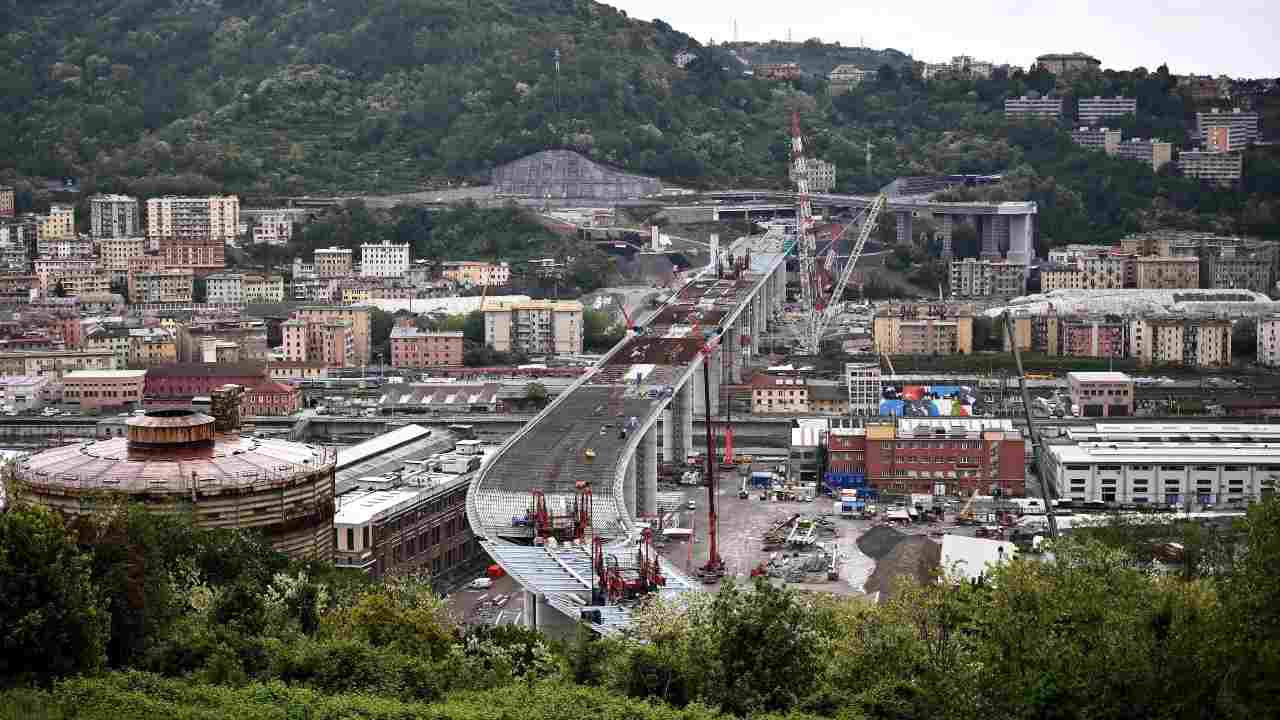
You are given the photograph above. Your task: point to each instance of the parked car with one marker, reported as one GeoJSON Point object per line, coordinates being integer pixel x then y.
{"type": "Point", "coordinates": [481, 583]}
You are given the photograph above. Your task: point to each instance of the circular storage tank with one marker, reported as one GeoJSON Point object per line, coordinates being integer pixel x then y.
{"type": "Point", "coordinates": [170, 429]}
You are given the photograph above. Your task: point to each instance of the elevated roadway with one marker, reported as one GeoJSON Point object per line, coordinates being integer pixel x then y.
{"type": "Point", "coordinates": [604, 431]}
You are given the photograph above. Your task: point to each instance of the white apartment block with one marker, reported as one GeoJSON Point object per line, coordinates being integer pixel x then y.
{"type": "Point", "coordinates": [1241, 128]}
{"type": "Point", "coordinates": [1103, 139]}
{"type": "Point", "coordinates": [114, 216]}
{"type": "Point", "coordinates": [865, 391]}
{"type": "Point", "coordinates": [224, 289]}
{"type": "Point", "coordinates": [196, 218]}
{"type": "Point", "coordinates": [1223, 168]}
{"type": "Point", "coordinates": [385, 259]}
{"type": "Point", "coordinates": [259, 289]}
{"type": "Point", "coordinates": [1155, 153]}
{"type": "Point", "coordinates": [1029, 107]}
{"type": "Point", "coordinates": [273, 229]}
{"type": "Point", "coordinates": [1091, 110]}
{"type": "Point", "coordinates": [1269, 341]}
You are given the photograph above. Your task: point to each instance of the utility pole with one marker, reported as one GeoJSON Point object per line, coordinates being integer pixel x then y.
{"type": "Point", "coordinates": [715, 566]}
{"type": "Point", "coordinates": [557, 58]}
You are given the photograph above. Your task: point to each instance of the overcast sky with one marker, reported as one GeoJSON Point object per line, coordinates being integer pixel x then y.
{"type": "Point", "coordinates": [1240, 38]}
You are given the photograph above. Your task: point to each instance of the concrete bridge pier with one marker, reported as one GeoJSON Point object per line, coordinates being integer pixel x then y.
{"type": "Point", "coordinates": [629, 484]}
{"type": "Point", "coordinates": [647, 473]}
{"type": "Point", "coordinates": [668, 435]}
{"type": "Point", "coordinates": [1021, 230]}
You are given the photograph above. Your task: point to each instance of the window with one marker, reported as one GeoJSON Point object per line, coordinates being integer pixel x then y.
{"type": "Point", "coordinates": [351, 539]}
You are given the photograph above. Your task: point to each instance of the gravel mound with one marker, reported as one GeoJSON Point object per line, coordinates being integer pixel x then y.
{"type": "Point", "coordinates": [879, 541]}
{"type": "Point", "coordinates": [915, 557]}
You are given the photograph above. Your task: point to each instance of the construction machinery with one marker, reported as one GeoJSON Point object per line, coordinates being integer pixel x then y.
{"type": "Point", "coordinates": [568, 526]}
{"type": "Point", "coordinates": [966, 516]}
{"type": "Point", "coordinates": [615, 582]}
{"type": "Point", "coordinates": [1037, 448]}
{"type": "Point", "coordinates": [811, 290]}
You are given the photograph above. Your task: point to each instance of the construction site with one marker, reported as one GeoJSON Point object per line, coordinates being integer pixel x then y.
{"type": "Point", "coordinates": [608, 497]}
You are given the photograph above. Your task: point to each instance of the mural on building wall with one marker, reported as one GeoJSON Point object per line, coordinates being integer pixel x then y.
{"type": "Point", "coordinates": [566, 174]}
{"type": "Point", "coordinates": [929, 401]}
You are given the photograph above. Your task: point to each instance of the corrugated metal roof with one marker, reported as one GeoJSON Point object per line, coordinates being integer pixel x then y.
{"type": "Point", "coordinates": [382, 443]}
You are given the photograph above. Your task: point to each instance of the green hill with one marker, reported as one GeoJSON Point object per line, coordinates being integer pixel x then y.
{"type": "Point", "coordinates": [264, 97]}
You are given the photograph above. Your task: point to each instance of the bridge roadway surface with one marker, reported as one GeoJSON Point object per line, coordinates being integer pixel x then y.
{"type": "Point", "coordinates": [578, 438]}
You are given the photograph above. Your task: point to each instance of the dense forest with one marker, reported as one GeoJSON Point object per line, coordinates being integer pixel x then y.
{"type": "Point", "coordinates": [130, 615]}
{"type": "Point", "coordinates": [286, 96]}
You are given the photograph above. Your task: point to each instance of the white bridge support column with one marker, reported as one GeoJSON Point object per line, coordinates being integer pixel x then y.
{"type": "Point", "coordinates": [678, 440]}
{"type": "Point", "coordinates": [669, 453]}
{"type": "Point", "coordinates": [629, 484]}
{"type": "Point", "coordinates": [694, 386]}
{"type": "Point", "coordinates": [647, 473]}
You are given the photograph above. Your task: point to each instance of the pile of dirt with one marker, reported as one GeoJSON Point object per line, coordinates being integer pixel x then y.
{"type": "Point", "coordinates": [915, 557]}
{"type": "Point", "coordinates": [879, 541]}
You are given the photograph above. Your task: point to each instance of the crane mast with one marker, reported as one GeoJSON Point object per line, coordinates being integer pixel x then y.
{"type": "Point", "coordinates": [823, 315]}
{"type": "Point", "coordinates": [808, 244]}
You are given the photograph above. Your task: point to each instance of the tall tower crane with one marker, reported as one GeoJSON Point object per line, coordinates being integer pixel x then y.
{"type": "Point", "coordinates": [811, 290]}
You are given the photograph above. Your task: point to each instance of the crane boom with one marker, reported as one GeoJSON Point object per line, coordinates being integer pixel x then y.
{"type": "Point", "coordinates": [823, 315]}
{"type": "Point", "coordinates": [1036, 447]}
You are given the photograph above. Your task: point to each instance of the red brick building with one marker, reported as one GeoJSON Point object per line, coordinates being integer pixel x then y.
{"type": "Point", "coordinates": [413, 348]}
{"type": "Point", "coordinates": [272, 398]}
{"type": "Point", "coordinates": [920, 454]}
{"type": "Point", "coordinates": [183, 381]}
{"type": "Point", "coordinates": [199, 254]}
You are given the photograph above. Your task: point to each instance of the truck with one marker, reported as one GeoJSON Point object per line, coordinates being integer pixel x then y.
{"type": "Point", "coordinates": [691, 477]}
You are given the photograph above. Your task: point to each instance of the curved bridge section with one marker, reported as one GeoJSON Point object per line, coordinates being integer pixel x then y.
{"type": "Point", "coordinates": [603, 432]}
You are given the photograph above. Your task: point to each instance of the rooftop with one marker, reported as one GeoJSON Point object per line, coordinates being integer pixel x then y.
{"type": "Point", "coordinates": [360, 507]}
{"type": "Point", "coordinates": [404, 332]}
{"type": "Point", "coordinates": [1099, 377]}
{"type": "Point", "coordinates": [103, 374]}
{"type": "Point", "coordinates": [1189, 453]}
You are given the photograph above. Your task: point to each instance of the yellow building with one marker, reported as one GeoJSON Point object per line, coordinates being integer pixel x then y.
{"type": "Point", "coordinates": [538, 327]}
{"type": "Point", "coordinates": [73, 283]}
{"type": "Point", "coordinates": [1176, 341]}
{"type": "Point", "coordinates": [262, 289]}
{"type": "Point", "coordinates": [151, 349]}
{"type": "Point", "coordinates": [332, 262]}
{"type": "Point", "coordinates": [924, 329]}
{"type": "Point", "coordinates": [785, 394]}
{"type": "Point", "coordinates": [114, 340]}
{"type": "Point", "coordinates": [59, 223]}
{"type": "Point", "coordinates": [308, 339]}
{"type": "Point", "coordinates": [477, 274]}
{"type": "Point", "coordinates": [1168, 273]}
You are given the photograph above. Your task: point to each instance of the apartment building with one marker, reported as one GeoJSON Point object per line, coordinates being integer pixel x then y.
{"type": "Point", "coordinates": [539, 327]}
{"type": "Point", "coordinates": [1090, 111]}
{"type": "Point", "coordinates": [256, 288]}
{"type": "Point", "coordinates": [45, 270]}
{"type": "Point", "coordinates": [865, 392]}
{"type": "Point", "coordinates": [8, 204]}
{"type": "Point", "coordinates": [273, 229]}
{"type": "Point", "coordinates": [1269, 341]}
{"type": "Point", "coordinates": [937, 456]}
{"type": "Point", "coordinates": [1103, 139]}
{"type": "Point", "coordinates": [224, 289]}
{"type": "Point", "coordinates": [74, 283]}
{"type": "Point", "coordinates": [471, 273]}
{"type": "Point", "coordinates": [845, 77]}
{"type": "Point", "coordinates": [173, 285]}
{"type": "Point", "coordinates": [60, 222]}
{"type": "Point", "coordinates": [967, 66]}
{"type": "Point", "coordinates": [1199, 343]}
{"type": "Point", "coordinates": [1068, 63]}
{"type": "Point", "coordinates": [64, 247]}
{"type": "Point", "coordinates": [332, 262]}
{"type": "Point", "coordinates": [1027, 107]}
{"type": "Point", "coordinates": [114, 216]}
{"type": "Point", "coordinates": [272, 399]}
{"type": "Point", "coordinates": [1095, 272]}
{"type": "Point", "coordinates": [308, 346]}
{"type": "Point", "coordinates": [116, 252]}
{"type": "Point", "coordinates": [1223, 168]}
{"type": "Point", "coordinates": [414, 348]}
{"type": "Point", "coordinates": [194, 218]}
{"type": "Point", "coordinates": [971, 278]}
{"type": "Point", "coordinates": [1105, 337]}
{"type": "Point", "coordinates": [924, 329]}
{"type": "Point", "coordinates": [1101, 394]}
{"type": "Point", "coordinates": [776, 71]}
{"type": "Point", "coordinates": [1227, 131]}
{"type": "Point", "coordinates": [385, 259]}
{"type": "Point", "coordinates": [54, 363]}
{"type": "Point", "coordinates": [1251, 271]}
{"type": "Point", "coordinates": [779, 394]}
{"type": "Point", "coordinates": [1168, 273]}
{"type": "Point", "coordinates": [193, 253]}
{"type": "Point", "coordinates": [149, 347]}
{"type": "Point", "coordinates": [1155, 153]}
{"type": "Point", "coordinates": [821, 175]}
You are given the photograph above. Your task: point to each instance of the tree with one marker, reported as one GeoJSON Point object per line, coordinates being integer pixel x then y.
{"type": "Point", "coordinates": [599, 331]}
{"type": "Point", "coordinates": [52, 619]}
{"type": "Point", "coordinates": [536, 393]}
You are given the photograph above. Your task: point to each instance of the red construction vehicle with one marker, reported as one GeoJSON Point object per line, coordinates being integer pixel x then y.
{"type": "Point", "coordinates": [563, 528]}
